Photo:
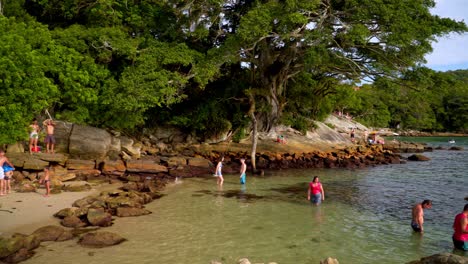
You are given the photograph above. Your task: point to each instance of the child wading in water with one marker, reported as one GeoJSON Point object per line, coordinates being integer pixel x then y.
{"type": "Point", "coordinates": [242, 171]}
{"type": "Point", "coordinates": [219, 173]}
{"type": "Point", "coordinates": [46, 181]}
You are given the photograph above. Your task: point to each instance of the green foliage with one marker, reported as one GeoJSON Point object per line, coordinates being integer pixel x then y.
{"type": "Point", "coordinates": [126, 64]}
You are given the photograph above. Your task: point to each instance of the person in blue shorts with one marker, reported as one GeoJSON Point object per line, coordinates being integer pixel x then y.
{"type": "Point", "coordinates": [242, 171]}
{"type": "Point", "coordinates": [8, 170]}
{"type": "Point", "coordinates": [3, 160]}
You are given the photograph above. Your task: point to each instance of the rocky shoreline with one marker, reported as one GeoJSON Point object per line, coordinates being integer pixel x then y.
{"type": "Point", "coordinates": [145, 166]}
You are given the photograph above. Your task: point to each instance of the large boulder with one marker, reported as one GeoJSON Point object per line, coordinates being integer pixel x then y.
{"type": "Point", "coordinates": [89, 142]}
{"type": "Point", "coordinates": [72, 221]}
{"type": "Point", "coordinates": [99, 217]}
{"type": "Point", "coordinates": [442, 258]}
{"type": "Point", "coordinates": [129, 211]}
{"type": "Point", "coordinates": [29, 242]}
{"type": "Point", "coordinates": [21, 255]}
{"type": "Point", "coordinates": [418, 157]}
{"type": "Point", "coordinates": [34, 164]}
{"type": "Point", "coordinates": [52, 233]}
{"type": "Point", "coordinates": [62, 134]}
{"type": "Point", "coordinates": [145, 166]}
{"type": "Point", "coordinates": [73, 211]}
{"type": "Point", "coordinates": [15, 148]}
{"type": "Point", "coordinates": [55, 158]}
{"type": "Point", "coordinates": [9, 246]}
{"type": "Point", "coordinates": [100, 239]}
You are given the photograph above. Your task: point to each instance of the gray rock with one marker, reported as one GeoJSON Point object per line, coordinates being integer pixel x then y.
{"type": "Point", "coordinates": [62, 134]}
{"type": "Point", "coordinates": [73, 211]}
{"type": "Point", "coordinates": [442, 258]}
{"type": "Point", "coordinates": [418, 157]}
{"type": "Point", "coordinates": [329, 260]}
{"type": "Point", "coordinates": [100, 239]}
{"type": "Point", "coordinates": [52, 233]}
{"type": "Point", "coordinates": [9, 246]}
{"type": "Point", "coordinates": [20, 255]}
{"type": "Point", "coordinates": [89, 142]}
{"type": "Point", "coordinates": [99, 217]}
{"type": "Point", "coordinates": [15, 148]}
{"type": "Point", "coordinates": [128, 211]}
{"type": "Point", "coordinates": [34, 164]}
{"type": "Point", "coordinates": [72, 221]}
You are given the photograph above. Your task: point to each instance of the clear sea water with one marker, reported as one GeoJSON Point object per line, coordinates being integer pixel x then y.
{"type": "Point", "coordinates": [364, 219]}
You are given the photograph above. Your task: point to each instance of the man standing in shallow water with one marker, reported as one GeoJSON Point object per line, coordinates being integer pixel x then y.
{"type": "Point", "coordinates": [417, 220]}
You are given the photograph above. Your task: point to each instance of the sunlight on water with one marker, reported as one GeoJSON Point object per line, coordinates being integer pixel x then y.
{"type": "Point", "coordinates": [364, 218]}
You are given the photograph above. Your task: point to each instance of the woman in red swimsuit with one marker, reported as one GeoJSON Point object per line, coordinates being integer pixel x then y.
{"type": "Point", "coordinates": [316, 190]}
{"type": "Point", "coordinates": [460, 228]}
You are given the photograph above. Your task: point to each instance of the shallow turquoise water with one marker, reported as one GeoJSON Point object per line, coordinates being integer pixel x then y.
{"type": "Point", "coordinates": [364, 218]}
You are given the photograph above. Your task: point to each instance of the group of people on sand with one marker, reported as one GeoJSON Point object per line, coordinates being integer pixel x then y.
{"type": "Point", "coordinates": [316, 195]}
{"type": "Point", "coordinates": [6, 174]}
{"type": "Point", "coordinates": [49, 140]}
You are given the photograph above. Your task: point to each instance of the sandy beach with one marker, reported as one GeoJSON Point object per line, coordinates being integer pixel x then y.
{"type": "Point", "coordinates": [25, 212]}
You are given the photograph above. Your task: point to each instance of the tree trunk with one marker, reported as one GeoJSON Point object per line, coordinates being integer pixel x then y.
{"type": "Point", "coordinates": [254, 131]}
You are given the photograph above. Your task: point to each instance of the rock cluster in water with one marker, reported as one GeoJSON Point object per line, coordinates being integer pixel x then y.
{"type": "Point", "coordinates": [442, 258]}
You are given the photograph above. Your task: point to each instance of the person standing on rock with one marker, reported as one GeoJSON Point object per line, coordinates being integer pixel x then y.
{"type": "Point", "coordinates": [3, 160]}
{"type": "Point", "coordinates": [242, 171]}
{"type": "Point", "coordinates": [460, 228]}
{"type": "Point", "coordinates": [352, 134]}
{"type": "Point", "coordinates": [33, 136]}
{"type": "Point", "coordinates": [46, 181]}
{"type": "Point", "coordinates": [315, 191]}
{"type": "Point", "coordinates": [50, 138]}
{"type": "Point", "coordinates": [417, 220]}
{"type": "Point", "coordinates": [219, 173]}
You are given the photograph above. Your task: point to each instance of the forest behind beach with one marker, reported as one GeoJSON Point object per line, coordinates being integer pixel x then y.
{"type": "Point", "coordinates": [211, 66]}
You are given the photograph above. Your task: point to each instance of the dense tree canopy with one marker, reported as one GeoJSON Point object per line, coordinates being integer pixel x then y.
{"type": "Point", "coordinates": [208, 65]}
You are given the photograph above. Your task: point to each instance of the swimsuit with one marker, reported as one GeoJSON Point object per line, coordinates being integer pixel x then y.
{"type": "Point", "coordinates": [242, 178]}
{"type": "Point", "coordinates": [415, 226]}
{"type": "Point", "coordinates": [218, 172]}
{"type": "Point", "coordinates": [33, 135]}
{"type": "Point", "coordinates": [460, 239]}
{"type": "Point", "coordinates": [316, 193]}
{"type": "Point", "coordinates": [50, 139]}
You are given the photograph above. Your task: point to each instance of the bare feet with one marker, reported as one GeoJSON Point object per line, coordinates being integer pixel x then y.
{"type": "Point", "coordinates": [46, 195]}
